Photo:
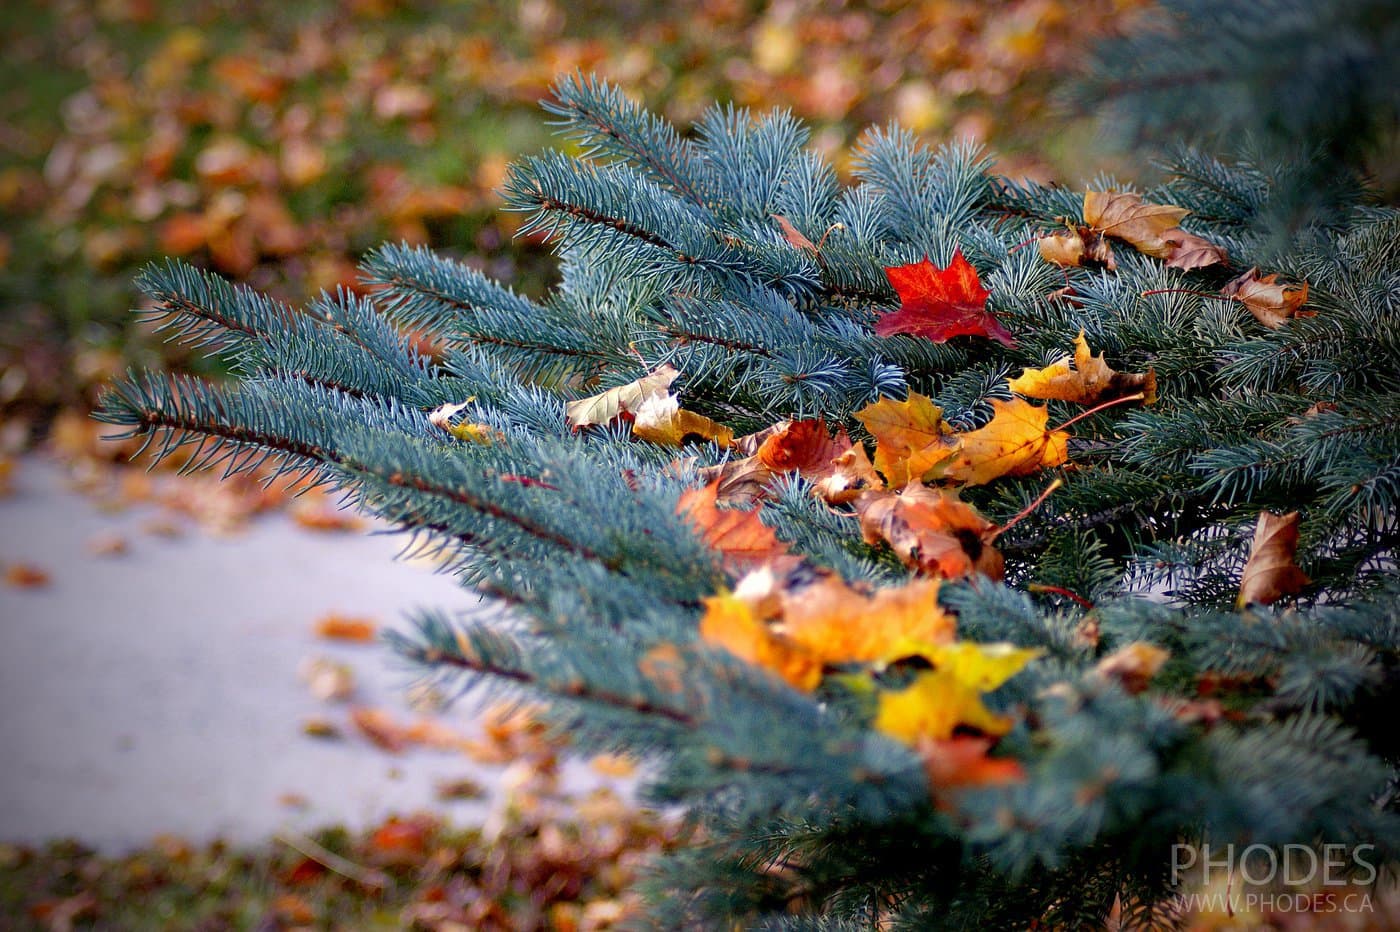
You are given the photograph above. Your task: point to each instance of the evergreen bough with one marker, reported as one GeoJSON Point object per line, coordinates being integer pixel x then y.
{"type": "Point", "coordinates": [805, 815]}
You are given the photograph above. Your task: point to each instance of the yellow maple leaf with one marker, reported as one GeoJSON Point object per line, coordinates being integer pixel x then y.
{"type": "Point", "coordinates": [661, 419]}
{"type": "Point", "coordinates": [950, 695]}
{"type": "Point", "coordinates": [910, 437]}
{"type": "Point", "coordinates": [1015, 442]}
{"type": "Point", "coordinates": [1089, 382]}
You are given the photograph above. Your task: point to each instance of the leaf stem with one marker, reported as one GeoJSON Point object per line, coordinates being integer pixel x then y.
{"type": "Point", "coordinates": [1060, 590]}
{"type": "Point", "coordinates": [1139, 396]}
{"type": "Point", "coordinates": [1021, 515]}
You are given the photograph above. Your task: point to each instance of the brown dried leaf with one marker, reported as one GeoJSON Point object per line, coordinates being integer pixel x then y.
{"type": "Point", "coordinates": [1270, 573]}
{"type": "Point", "coordinates": [1190, 251]}
{"type": "Point", "coordinates": [1124, 216]}
{"type": "Point", "coordinates": [931, 530]}
{"type": "Point", "coordinates": [606, 407]}
{"type": "Point", "coordinates": [1271, 302]}
{"type": "Point", "coordinates": [1133, 665]}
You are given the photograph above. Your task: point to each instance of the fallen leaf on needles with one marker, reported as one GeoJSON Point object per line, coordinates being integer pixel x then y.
{"type": "Point", "coordinates": [26, 576]}
{"type": "Point", "coordinates": [962, 761]}
{"type": "Point", "coordinates": [1189, 251]}
{"type": "Point", "coordinates": [608, 406]}
{"type": "Point", "coordinates": [339, 627]}
{"type": "Point", "coordinates": [1270, 573]}
{"type": "Point", "coordinates": [1015, 442]}
{"type": "Point", "coordinates": [442, 416]}
{"type": "Point", "coordinates": [731, 623]}
{"type": "Point", "coordinates": [939, 304]}
{"type": "Point", "coordinates": [838, 624]}
{"type": "Point", "coordinates": [1124, 216]}
{"type": "Point", "coordinates": [1089, 382]}
{"type": "Point", "coordinates": [1271, 302]}
{"type": "Point", "coordinates": [1132, 665]}
{"type": "Point", "coordinates": [793, 235]}
{"type": "Point", "coordinates": [910, 437]}
{"type": "Point", "coordinates": [1080, 246]}
{"type": "Point", "coordinates": [661, 419]}
{"type": "Point", "coordinates": [740, 537]}
{"type": "Point", "coordinates": [931, 530]}
{"type": "Point", "coordinates": [804, 447]}
{"type": "Point", "coordinates": [852, 475]}
{"type": "Point", "coordinates": [740, 482]}
{"type": "Point", "coordinates": [949, 696]}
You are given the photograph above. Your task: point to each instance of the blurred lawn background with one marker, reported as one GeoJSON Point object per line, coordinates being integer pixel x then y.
{"type": "Point", "coordinates": [276, 142]}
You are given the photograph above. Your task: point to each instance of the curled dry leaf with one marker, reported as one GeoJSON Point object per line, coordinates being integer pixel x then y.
{"type": "Point", "coordinates": [1015, 442]}
{"type": "Point", "coordinates": [1132, 665]}
{"type": "Point", "coordinates": [1190, 251]}
{"type": "Point", "coordinates": [1270, 301]}
{"type": "Point", "coordinates": [852, 475]}
{"type": "Point", "coordinates": [793, 235]}
{"type": "Point", "coordinates": [911, 437]}
{"type": "Point", "coordinates": [931, 530]}
{"type": "Point", "coordinates": [1089, 382]}
{"type": "Point", "coordinates": [441, 417]}
{"type": "Point", "coordinates": [804, 447]}
{"type": "Point", "coordinates": [608, 406]}
{"type": "Point", "coordinates": [939, 304]}
{"type": "Point", "coordinates": [1270, 573]}
{"type": "Point", "coordinates": [1123, 215]}
{"type": "Point", "coordinates": [1080, 246]}
{"type": "Point", "coordinates": [742, 540]}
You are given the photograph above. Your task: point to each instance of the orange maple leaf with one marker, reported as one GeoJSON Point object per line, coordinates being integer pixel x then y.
{"type": "Point", "coordinates": [1270, 573]}
{"type": "Point", "coordinates": [1015, 442]}
{"type": "Point", "coordinates": [931, 530]}
{"type": "Point", "coordinates": [1090, 381]}
{"type": "Point", "coordinates": [962, 761]}
{"type": "Point", "coordinates": [852, 475]}
{"type": "Point", "coordinates": [732, 623]}
{"type": "Point", "coordinates": [838, 624]}
{"type": "Point", "coordinates": [805, 447]}
{"type": "Point", "coordinates": [939, 304]}
{"type": "Point", "coordinates": [910, 437]}
{"type": "Point", "coordinates": [742, 540]}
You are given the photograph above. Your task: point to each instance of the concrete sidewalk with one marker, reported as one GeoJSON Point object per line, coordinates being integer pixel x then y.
{"type": "Point", "coordinates": [157, 690]}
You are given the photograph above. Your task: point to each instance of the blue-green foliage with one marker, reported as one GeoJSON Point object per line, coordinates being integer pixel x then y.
{"type": "Point", "coordinates": [671, 253]}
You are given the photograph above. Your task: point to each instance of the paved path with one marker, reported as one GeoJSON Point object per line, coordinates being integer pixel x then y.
{"type": "Point", "coordinates": [157, 690]}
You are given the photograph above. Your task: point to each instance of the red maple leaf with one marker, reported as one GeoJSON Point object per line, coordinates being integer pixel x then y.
{"type": "Point", "coordinates": [940, 303]}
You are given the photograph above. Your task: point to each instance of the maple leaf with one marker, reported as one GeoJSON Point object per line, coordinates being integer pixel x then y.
{"type": "Point", "coordinates": [1090, 381]}
{"type": "Point", "coordinates": [804, 447]}
{"type": "Point", "coordinates": [852, 475]}
{"type": "Point", "coordinates": [1124, 216]}
{"type": "Point", "coordinates": [910, 437]}
{"type": "Point", "coordinates": [606, 407]}
{"type": "Point", "coordinates": [730, 622]}
{"type": "Point", "coordinates": [931, 530]}
{"type": "Point", "coordinates": [742, 540]}
{"type": "Point", "coordinates": [962, 761]}
{"type": "Point", "coordinates": [949, 695]}
{"type": "Point", "coordinates": [741, 482]}
{"type": "Point", "coordinates": [660, 419]}
{"type": "Point", "coordinates": [939, 304]}
{"type": "Point", "coordinates": [1014, 442]}
{"type": "Point", "coordinates": [1271, 302]}
{"type": "Point", "coordinates": [1190, 251]}
{"type": "Point", "coordinates": [1133, 665]}
{"type": "Point", "coordinates": [1270, 573]}
{"type": "Point", "coordinates": [1080, 246]}
{"type": "Point", "coordinates": [838, 624]}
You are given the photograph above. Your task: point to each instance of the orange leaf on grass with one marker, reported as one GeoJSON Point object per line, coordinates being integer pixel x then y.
{"type": "Point", "coordinates": [939, 304]}
{"type": "Point", "coordinates": [1089, 382]}
{"type": "Point", "coordinates": [1270, 573]}
{"type": "Point", "coordinates": [1015, 442]}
